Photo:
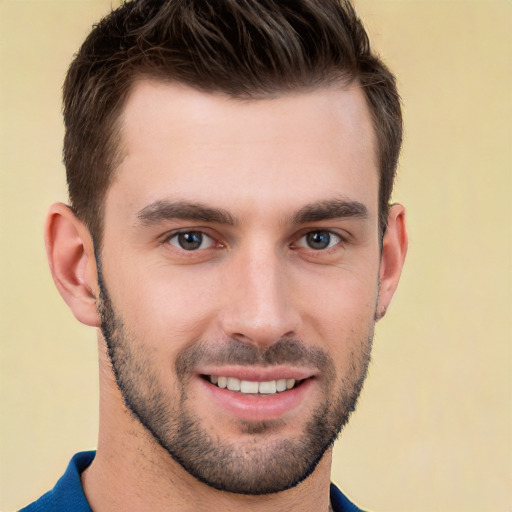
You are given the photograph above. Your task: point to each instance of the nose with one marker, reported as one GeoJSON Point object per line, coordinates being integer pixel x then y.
{"type": "Point", "coordinates": [259, 306]}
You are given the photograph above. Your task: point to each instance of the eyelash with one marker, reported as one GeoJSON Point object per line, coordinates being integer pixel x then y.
{"type": "Point", "coordinates": [204, 235]}
{"type": "Point", "coordinates": [338, 239]}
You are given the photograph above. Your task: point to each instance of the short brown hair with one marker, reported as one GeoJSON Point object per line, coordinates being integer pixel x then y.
{"type": "Point", "coordinates": [244, 48]}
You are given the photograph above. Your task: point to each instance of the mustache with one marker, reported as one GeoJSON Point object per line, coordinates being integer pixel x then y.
{"type": "Point", "coordinates": [233, 352]}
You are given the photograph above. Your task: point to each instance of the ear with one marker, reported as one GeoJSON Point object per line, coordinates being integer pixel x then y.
{"type": "Point", "coordinates": [394, 249]}
{"type": "Point", "coordinates": [70, 253]}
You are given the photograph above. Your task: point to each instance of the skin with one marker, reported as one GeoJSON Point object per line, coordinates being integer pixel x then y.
{"type": "Point", "coordinates": [262, 164]}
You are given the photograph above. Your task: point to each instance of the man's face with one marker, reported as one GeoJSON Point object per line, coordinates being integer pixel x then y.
{"type": "Point", "coordinates": [239, 275]}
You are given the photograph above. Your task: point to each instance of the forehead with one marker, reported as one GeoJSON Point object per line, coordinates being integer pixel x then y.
{"type": "Point", "coordinates": [273, 153]}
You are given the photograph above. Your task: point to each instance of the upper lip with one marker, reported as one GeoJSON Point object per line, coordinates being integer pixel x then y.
{"type": "Point", "coordinates": [259, 374]}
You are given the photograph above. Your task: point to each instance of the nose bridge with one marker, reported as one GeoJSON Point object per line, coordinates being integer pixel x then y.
{"type": "Point", "coordinates": [259, 308]}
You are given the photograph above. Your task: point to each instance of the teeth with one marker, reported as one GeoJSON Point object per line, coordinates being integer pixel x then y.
{"type": "Point", "coordinates": [268, 387]}
{"type": "Point", "coordinates": [290, 383]}
{"type": "Point", "coordinates": [233, 384]}
{"type": "Point", "coordinates": [250, 387]}
{"type": "Point", "coordinates": [281, 384]}
{"type": "Point", "coordinates": [246, 386]}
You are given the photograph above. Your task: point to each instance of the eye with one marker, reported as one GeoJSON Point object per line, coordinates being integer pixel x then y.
{"type": "Point", "coordinates": [191, 240]}
{"type": "Point", "coordinates": [319, 240]}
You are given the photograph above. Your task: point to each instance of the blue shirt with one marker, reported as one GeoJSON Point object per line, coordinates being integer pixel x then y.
{"type": "Point", "coordinates": [68, 495]}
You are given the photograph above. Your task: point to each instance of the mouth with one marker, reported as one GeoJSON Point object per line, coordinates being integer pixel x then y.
{"type": "Point", "coordinates": [258, 394]}
{"type": "Point", "coordinates": [248, 387]}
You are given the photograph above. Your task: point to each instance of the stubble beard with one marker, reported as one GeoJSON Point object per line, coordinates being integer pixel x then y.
{"type": "Point", "coordinates": [266, 463]}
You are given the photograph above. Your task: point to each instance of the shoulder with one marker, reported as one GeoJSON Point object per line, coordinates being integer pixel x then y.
{"type": "Point", "coordinates": [341, 503]}
{"type": "Point", "coordinates": [67, 493]}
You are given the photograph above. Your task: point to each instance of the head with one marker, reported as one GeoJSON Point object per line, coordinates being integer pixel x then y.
{"type": "Point", "coordinates": [245, 49]}
{"type": "Point", "coordinates": [230, 166]}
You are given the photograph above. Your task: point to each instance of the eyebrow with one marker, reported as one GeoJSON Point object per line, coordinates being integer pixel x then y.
{"type": "Point", "coordinates": [331, 209]}
{"type": "Point", "coordinates": [162, 210]}
{"type": "Point", "coordinates": [168, 210]}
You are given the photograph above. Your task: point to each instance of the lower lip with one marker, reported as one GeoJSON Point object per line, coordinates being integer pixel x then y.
{"type": "Point", "coordinates": [259, 407]}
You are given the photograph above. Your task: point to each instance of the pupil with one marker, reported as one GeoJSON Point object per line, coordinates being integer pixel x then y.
{"type": "Point", "coordinates": [190, 241]}
{"type": "Point", "coordinates": [318, 239]}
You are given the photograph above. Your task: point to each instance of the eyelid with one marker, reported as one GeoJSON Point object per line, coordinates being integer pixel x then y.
{"type": "Point", "coordinates": [166, 239]}
{"type": "Point", "coordinates": [342, 239]}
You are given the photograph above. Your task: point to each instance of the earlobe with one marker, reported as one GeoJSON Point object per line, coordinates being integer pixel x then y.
{"type": "Point", "coordinates": [70, 253]}
{"type": "Point", "coordinates": [394, 250]}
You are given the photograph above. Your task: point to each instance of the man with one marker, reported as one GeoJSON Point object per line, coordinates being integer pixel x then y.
{"type": "Point", "coordinates": [230, 166]}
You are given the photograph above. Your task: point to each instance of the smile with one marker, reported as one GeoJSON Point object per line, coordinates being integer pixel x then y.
{"type": "Point", "coordinates": [252, 387]}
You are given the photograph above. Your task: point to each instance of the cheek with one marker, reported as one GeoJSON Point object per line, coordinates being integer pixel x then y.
{"type": "Point", "coordinates": [165, 305]}
{"type": "Point", "coordinates": [342, 311]}
{"type": "Point", "coordinates": [343, 290]}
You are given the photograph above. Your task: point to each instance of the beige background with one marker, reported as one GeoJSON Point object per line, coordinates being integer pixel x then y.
{"type": "Point", "coordinates": [433, 429]}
